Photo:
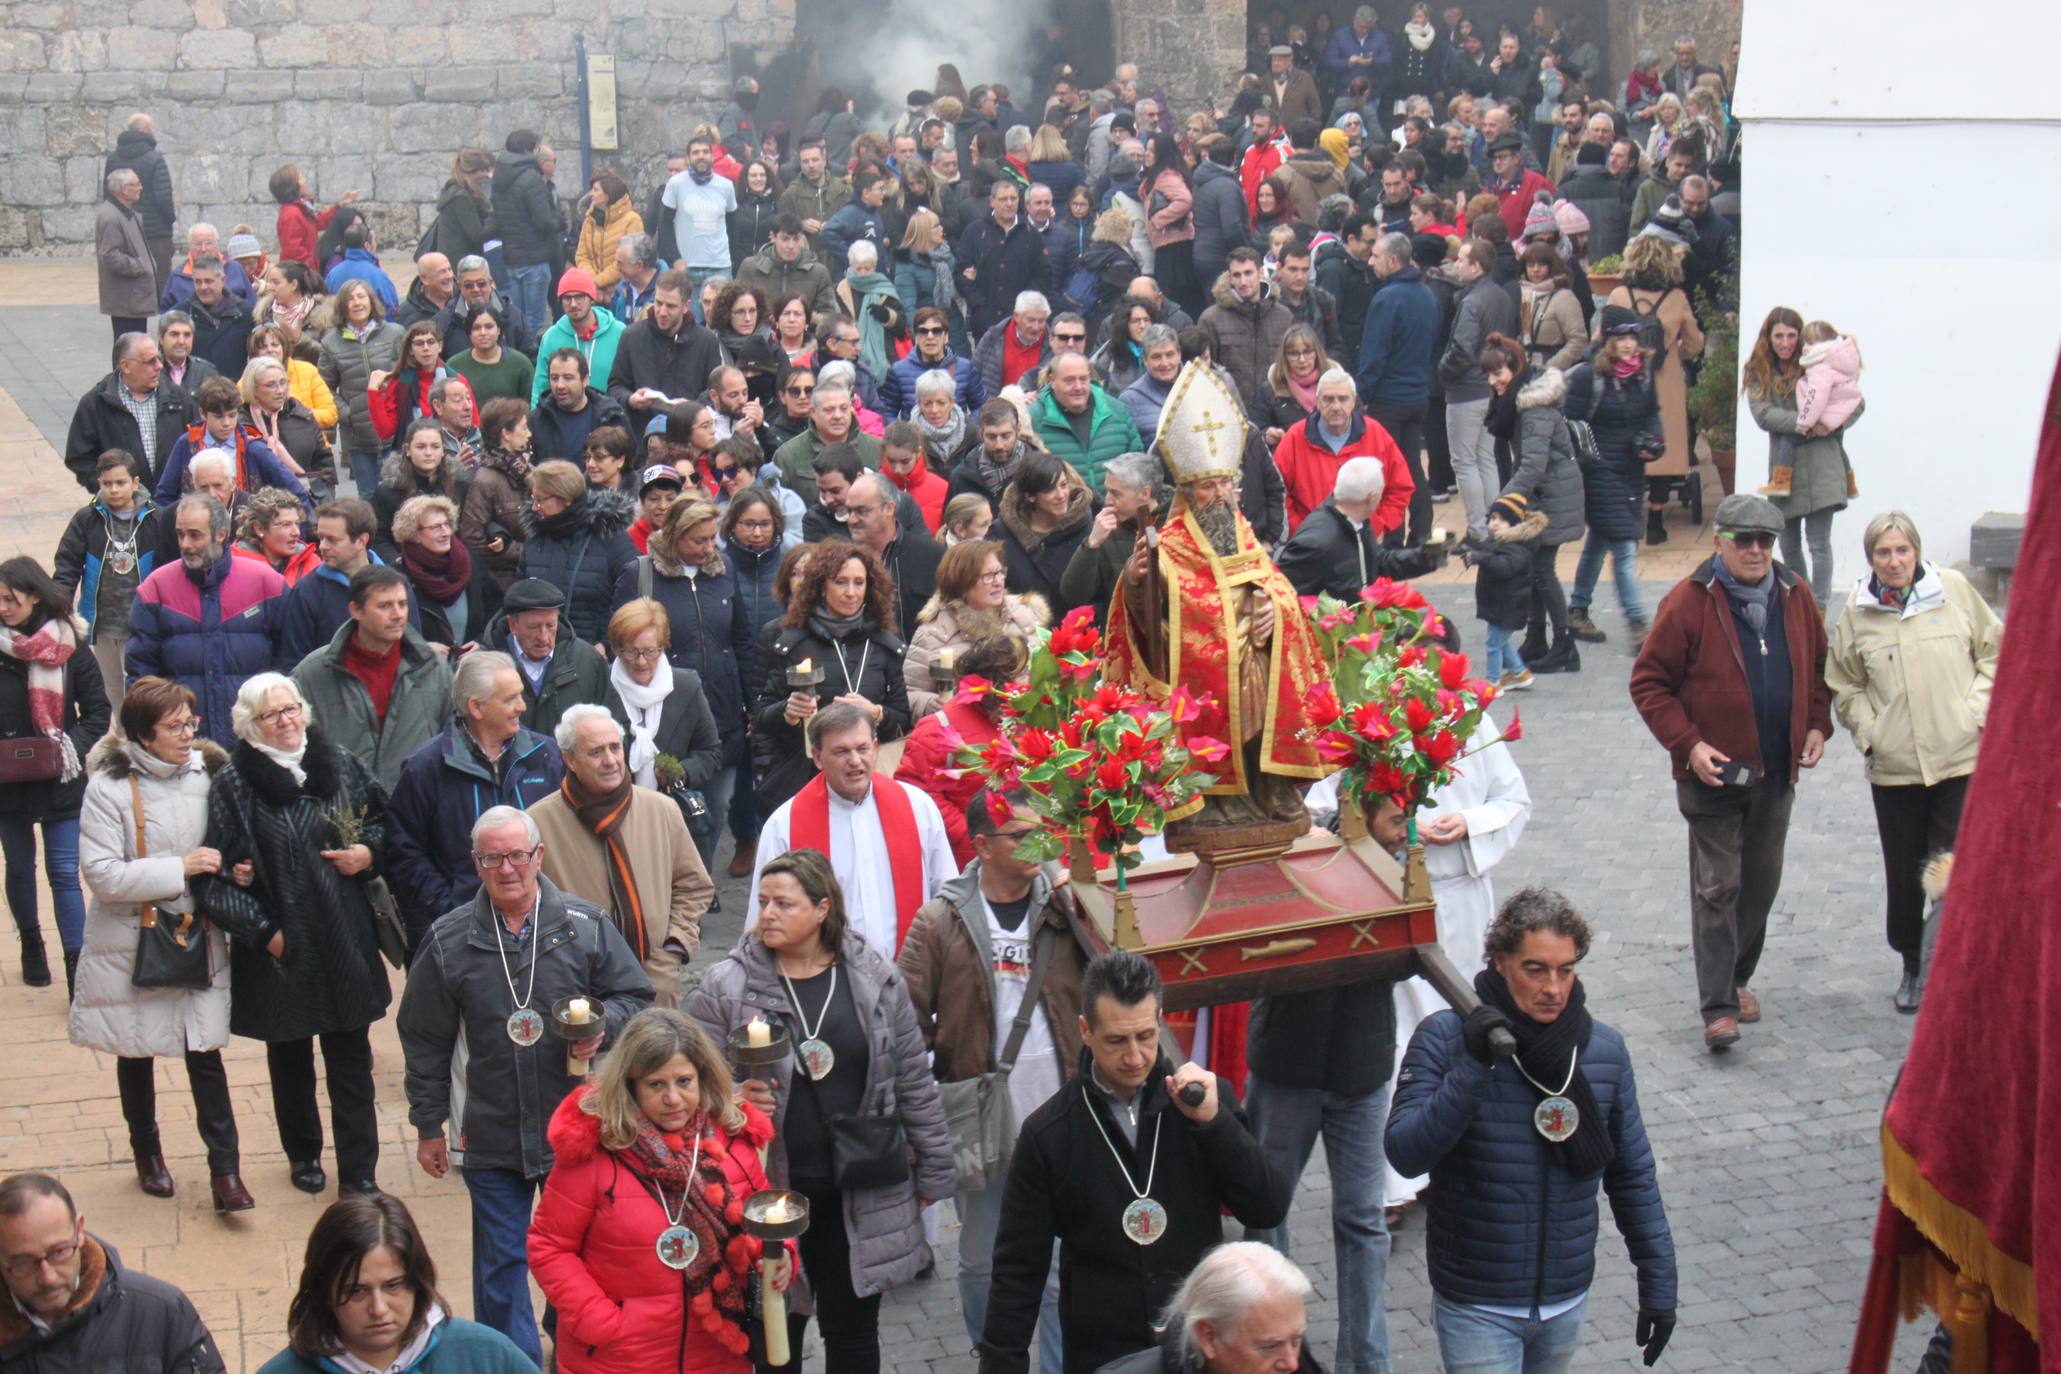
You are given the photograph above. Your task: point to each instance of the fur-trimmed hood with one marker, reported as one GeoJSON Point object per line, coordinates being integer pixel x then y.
{"type": "Point", "coordinates": [323, 763]}
{"type": "Point", "coordinates": [110, 757]}
{"type": "Point", "coordinates": [1021, 612]}
{"type": "Point", "coordinates": [599, 513]}
{"type": "Point", "coordinates": [1524, 531]}
{"type": "Point", "coordinates": [575, 1133]}
{"type": "Point", "coordinates": [666, 560]}
{"type": "Point", "coordinates": [397, 474]}
{"type": "Point", "coordinates": [1016, 513]}
{"type": "Point", "coordinates": [1220, 291]}
{"type": "Point", "coordinates": [1547, 387]}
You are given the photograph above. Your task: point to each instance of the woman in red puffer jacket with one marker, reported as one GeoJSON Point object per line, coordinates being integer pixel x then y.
{"type": "Point", "coordinates": [636, 1157]}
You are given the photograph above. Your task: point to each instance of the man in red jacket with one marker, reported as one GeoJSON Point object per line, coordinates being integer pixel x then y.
{"type": "Point", "coordinates": [1512, 183]}
{"type": "Point", "coordinates": [1732, 681]}
{"type": "Point", "coordinates": [1266, 152]}
{"type": "Point", "coordinates": [1314, 449]}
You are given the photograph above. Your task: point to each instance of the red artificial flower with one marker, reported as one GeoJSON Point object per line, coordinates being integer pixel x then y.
{"type": "Point", "coordinates": [1417, 716]}
{"type": "Point", "coordinates": [1322, 705]}
{"type": "Point", "coordinates": [1440, 748]}
{"type": "Point", "coordinates": [1035, 745]}
{"type": "Point", "coordinates": [1185, 706]}
{"type": "Point", "coordinates": [998, 753]}
{"type": "Point", "coordinates": [1434, 626]}
{"type": "Point", "coordinates": [1383, 593]}
{"type": "Point", "coordinates": [1206, 749]}
{"type": "Point", "coordinates": [1344, 615]}
{"type": "Point", "coordinates": [998, 810]}
{"type": "Point", "coordinates": [1370, 719]}
{"type": "Point", "coordinates": [1336, 748]}
{"type": "Point", "coordinates": [1076, 633]}
{"type": "Point", "coordinates": [1309, 605]}
{"type": "Point", "coordinates": [1410, 657]}
{"type": "Point", "coordinates": [1484, 691]}
{"type": "Point", "coordinates": [1514, 731]}
{"type": "Point", "coordinates": [1452, 669]}
{"type": "Point", "coordinates": [1112, 776]}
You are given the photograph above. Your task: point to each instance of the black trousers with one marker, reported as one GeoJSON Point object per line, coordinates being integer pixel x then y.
{"type": "Point", "coordinates": [1548, 597]}
{"type": "Point", "coordinates": [1915, 822]}
{"type": "Point", "coordinates": [851, 1324]}
{"type": "Point", "coordinates": [1405, 424]}
{"type": "Point", "coordinates": [136, 1082]}
{"type": "Point", "coordinates": [1438, 453]}
{"type": "Point", "coordinates": [347, 1055]}
{"type": "Point", "coordinates": [128, 324]}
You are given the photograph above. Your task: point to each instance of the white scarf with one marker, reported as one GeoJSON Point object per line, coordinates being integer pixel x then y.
{"type": "Point", "coordinates": [643, 702]}
{"type": "Point", "coordinates": [1420, 35]}
{"type": "Point", "coordinates": [291, 762]}
{"type": "Point", "coordinates": [411, 1354]}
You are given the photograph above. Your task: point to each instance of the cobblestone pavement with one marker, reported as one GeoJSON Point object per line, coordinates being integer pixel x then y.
{"type": "Point", "coordinates": [1767, 1155]}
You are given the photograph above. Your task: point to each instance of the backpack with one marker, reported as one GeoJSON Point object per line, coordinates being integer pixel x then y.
{"type": "Point", "coordinates": [428, 242]}
{"type": "Point", "coordinates": [1082, 289]}
{"type": "Point", "coordinates": [1652, 333]}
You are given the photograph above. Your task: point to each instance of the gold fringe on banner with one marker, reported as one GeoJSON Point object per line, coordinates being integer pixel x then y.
{"type": "Point", "coordinates": [1985, 1272]}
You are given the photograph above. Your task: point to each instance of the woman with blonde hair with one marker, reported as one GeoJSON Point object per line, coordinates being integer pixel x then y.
{"type": "Point", "coordinates": [924, 277]}
{"type": "Point", "coordinates": [304, 380]}
{"type": "Point", "coordinates": [1049, 163]}
{"type": "Point", "coordinates": [451, 588]}
{"type": "Point", "coordinates": [1652, 288]}
{"type": "Point", "coordinates": [638, 1241]}
{"type": "Point", "coordinates": [973, 601]}
{"type": "Point", "coordinates": [1290, 392]}
{"type": "Point", "coordinates": [463, 206]}
{"type": "Point", "coordinates": [1109, 256]}
{"type": "Point", "coordinates": [664, 711]}
{"type": "Point", "coordinates": [288, 428]}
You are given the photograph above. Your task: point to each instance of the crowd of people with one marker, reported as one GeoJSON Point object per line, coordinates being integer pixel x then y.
{"type": "Point", "coordinates": [466, 618]}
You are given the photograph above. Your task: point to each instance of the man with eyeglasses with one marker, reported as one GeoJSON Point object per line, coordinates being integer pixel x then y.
{"type": "Point", "coordinates": [838, 341]}
{"type": "Point", "coordinates": [994, 937]}
{"type": "Point", "coordinates": [909, 555]}
{"type": "Point", "coordinates": [134, 409]}
{"type": "Point", "coordinates": [831, 424]}
{"type": "Point", "coordinates": [1732, 681]}
{"type": "Point", "coordinates": [75, 1305]}
{"type": "Point", "coordinates": [480, 996]}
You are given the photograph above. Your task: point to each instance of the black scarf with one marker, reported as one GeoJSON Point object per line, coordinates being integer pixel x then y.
{"type": "Point", "coordinates": [1545, 1051]}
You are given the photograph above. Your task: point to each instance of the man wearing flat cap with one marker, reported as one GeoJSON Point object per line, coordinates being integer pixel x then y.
{"type": "Point", "coordinates": [558, 669]}
{"type": "Point", "coordinates": [1732, 681]}
{"type": "Point", "coordinates": [1295, 90]}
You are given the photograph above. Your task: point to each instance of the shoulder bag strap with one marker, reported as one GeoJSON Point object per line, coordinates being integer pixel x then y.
{"type": "Point", "coordinates": [147, 917]}
{"type": "Point", "coordinates": [1044, 941]}
{"type": "Point", "coordinates": [984, 947]}
{"type": "Point", "coordinates": [644, 576]}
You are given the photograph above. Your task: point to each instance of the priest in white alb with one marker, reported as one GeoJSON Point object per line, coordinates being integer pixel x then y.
{"type": "Point", "coordinates": [886, 840]}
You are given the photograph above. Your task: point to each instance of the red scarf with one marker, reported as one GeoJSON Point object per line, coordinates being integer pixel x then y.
{"type": "Point", "coordinates": [376, 671]}
{"type": "Point", "coordinates": [808, 827]}
{"type": "Point", "coordinates": [1018, 358]}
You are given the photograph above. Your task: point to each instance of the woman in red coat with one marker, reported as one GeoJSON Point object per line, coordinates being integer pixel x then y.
{"type": "Point", "coordinates": [393, 399]}
{"type": "Point", "coordinates": [300, 224]}
{"type": "Point", "coordinates": [928, 760]}
{"type": "Point", "coordinates": [637, 1158]}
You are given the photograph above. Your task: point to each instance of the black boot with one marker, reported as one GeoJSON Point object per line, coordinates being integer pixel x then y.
{"type": "Point", "coordinates": [35, 964]}
{"type": "Point", "coordinates": [1563, 657]}
{"type": "Point", "coordinates": [71, 975]}
{"type": "Point", "coordinates": [1534, 646]}
{"type": "Point", "coordinates": [1656, 525]}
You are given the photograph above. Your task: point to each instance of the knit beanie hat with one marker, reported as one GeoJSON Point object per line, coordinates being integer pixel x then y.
{"type": "Point", "coordinates": [1428, 249]}
{"type": "Point", "coordinates": [1592, 155]}
{"type": "Point", "coordinates": [1570, 218]}
{"type": "Point", "coordinates": [244, 245]}
{"type": "Point", "coordinates": [1512, 507]}
{"type": "Point", "coordinates": [1539, 219]}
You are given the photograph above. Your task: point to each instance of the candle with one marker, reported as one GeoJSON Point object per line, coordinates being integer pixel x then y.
{"type": "Point", "coordinates": [773, 1307]}
{"type": "Point", "coordinates": [1438, 537]}
{"type": "Point", "coordinates": [758, 1034]}
{"type": "Point", "coordinates": [777, 1213]}
{"type": "Point", "coordinates": [806, 666]}
{"type": "Point", "coordinates": [577, 1011]}
{"type": "Point", "coordinates": [944, 660]}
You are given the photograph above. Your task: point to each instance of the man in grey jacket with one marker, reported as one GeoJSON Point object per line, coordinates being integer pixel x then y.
{"type": "Point", "coordinates": [473, 1034]}
{"type": "Point", "coordinates": [378, 687]}
{"type": "Point", "coordinates": [1482, 308]}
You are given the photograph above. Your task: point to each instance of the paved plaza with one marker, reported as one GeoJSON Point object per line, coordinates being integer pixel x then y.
{"type": "Point", "coordinates": [1768, 1158]}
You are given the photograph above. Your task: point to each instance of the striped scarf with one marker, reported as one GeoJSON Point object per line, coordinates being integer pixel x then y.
{"type": "Point", "coordinates": [604, 815]}
{"type": "Point", "coordinates": [44, 654]}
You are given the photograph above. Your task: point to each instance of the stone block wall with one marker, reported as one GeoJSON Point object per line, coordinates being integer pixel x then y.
{"type": "Point", "coordinates": [373, 94]}
{"type": "Point", "coordinates": [1196, 48]}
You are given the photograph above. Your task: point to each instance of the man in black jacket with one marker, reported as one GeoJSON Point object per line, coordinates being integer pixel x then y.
{"type": "Point", "coordinates": [1334, 549]}
{"type": "Point", "coordinates": [136, 149]}
{"type": "Point", "coordinates": [1129, 1179]}
{"type": "Point", "coordinates": [133, 409]}
{"type": "Point", "coordinates": [531, 224]}
{"type": "Point", "coordinates": [664, 356]}
{"type": "Point", "coordinates": [77, 1306]}
{"type": "Point", "coordinates": [570, 410]}
{"type": "Point", "coordinates": [908, 553]}
{"type": "Point", "coordinates": [999, 256]}
{"type": "Point", "coordinates": [475, 291]}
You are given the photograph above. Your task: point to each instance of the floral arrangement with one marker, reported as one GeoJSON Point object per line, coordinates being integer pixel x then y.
{"type": "Point", "coordinates": [669, 773]}
{"type": "Point", "coordinates": [349, 822]}
{"type": "Point", "coordinates": [1096, 761]}
{"type": "Point", "coordinates": [1399, 710]}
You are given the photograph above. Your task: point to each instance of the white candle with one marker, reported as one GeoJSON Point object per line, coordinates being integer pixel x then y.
{"type": "Point", "coordinates": [806, 666]}
{"type": "Point", "coordinates": [758, 1034]}
{"type": "Point", "coordinates": [777, 1213]}
{"type": "Point", "coordinates": [577, 1011]}
{"type": "Point", "coordinates": [773, 1306]}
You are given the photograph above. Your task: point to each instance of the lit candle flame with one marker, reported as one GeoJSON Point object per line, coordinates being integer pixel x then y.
{"type": "Point", "coordinates": [778, 1211]}
{"type": "Point", "coordinates": [806, 666]}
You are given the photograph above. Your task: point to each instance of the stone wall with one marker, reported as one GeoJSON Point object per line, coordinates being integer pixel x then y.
{"type": "Point", "coordinates": [374, 94]}
{"type": "Point", "coordinates": [1194, 47]}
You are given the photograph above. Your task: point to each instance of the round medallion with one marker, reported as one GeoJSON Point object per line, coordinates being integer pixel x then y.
{"type": "Point", "coordinates": [121, 562]}
{"type": "Point", "coordinates": [678, 1247]}
{"type": "Point", "coordinates": [1556, 1118]}
{"type": "Point", "coordinates": [526, 1026]}
{"type": "Point", "coordinates": [818, 1059]}
{"type": "Point", "coordinates": [1144, 1221]}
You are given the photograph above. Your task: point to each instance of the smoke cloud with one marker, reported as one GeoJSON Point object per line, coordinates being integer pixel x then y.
{"type": "Point", "coordinates": [879, 56]}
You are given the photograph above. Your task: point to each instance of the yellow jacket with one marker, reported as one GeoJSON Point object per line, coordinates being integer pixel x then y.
{"type": "Point", "coordinates": [596, 252]}
{"type": "Point", "coordinates": [1913, 686]}
{"type": "Point", "coordinates": [307, 386]}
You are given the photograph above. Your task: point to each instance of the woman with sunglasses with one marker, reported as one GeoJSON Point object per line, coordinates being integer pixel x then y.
{"type": "Point", "coordinates": [931, 351]}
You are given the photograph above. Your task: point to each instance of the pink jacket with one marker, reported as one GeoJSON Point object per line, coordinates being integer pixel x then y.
{"type": "Point", "coordinates": [1175, 223]}
{"type": "Point", "coordinates": [1830, 388]}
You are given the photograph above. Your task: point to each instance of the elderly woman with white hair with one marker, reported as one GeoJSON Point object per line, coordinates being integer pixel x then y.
{"type": "Point", "coordinates": [870, 301]}
{"type": "Point", "coordinates": [286, 425]}
{"type": "Point", "coordinates": [1244, 1307]}
{"type": "Point", "coordinates": [301, 826]}
{"type": "Point", "coordinates": [1910, 666]}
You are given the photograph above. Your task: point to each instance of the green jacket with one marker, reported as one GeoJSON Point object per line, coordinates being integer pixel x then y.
{"type": "Point", "coordinates": [804, 201]}
{"type": "Point", "coordinates": [599, 350]}
{"type": "Point", "coordinates": [796, 459]}
{"type": "Point", "coordinates": [1111, 433]}
{"type": "Point", "coordinates": [418, 709]}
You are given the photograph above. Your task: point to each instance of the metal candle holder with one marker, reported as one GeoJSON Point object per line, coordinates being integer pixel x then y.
{"type": "Point", "coordinates": [745, 1055]}
{"type": "Point", "coordinates": [772, 1302]}
{"type": "Point", "coordinates": [758, 1204]}
{"type": "Point", "coordinates": [570, 1030]}
{"type": "Point", "coordinates": [798, 678]}
{"type": "Point", "coordinates": [944, 673]}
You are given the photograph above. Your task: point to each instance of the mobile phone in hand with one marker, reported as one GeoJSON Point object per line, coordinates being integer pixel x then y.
{"type": "Point", "coordinates": [1735, 774]}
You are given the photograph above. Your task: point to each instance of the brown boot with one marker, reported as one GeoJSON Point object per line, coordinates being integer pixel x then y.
{"type": "Point", "coordinates": [231, 1195]}
{"type": "Point", "coordinates": [1778, 482]}
{"type": "Point", "coordinates": [152, 1175]}
{"type": "Point", "coordinates": [744, 858]}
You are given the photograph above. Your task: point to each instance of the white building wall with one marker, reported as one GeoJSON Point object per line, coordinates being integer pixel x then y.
{"type": "Point", "coordinates": [1916, 204]}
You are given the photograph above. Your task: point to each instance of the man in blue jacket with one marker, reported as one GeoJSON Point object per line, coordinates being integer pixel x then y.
{"type": "Point", "coordinates": [1398, 346]}
{"type": "Point", "coordinates": [1516, 1144]}
{"type": "Point", "coordinates": [1361, 50]}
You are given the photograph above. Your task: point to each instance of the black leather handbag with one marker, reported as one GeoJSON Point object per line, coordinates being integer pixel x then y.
{"type": "Point", "coordinates": [171, 948]}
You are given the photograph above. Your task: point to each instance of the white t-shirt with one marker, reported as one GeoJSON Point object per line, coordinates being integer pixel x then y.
{"type": "Point", "coordinates": [1036, 1075]}
{"type": "Point", "coordinates": [700, 225]}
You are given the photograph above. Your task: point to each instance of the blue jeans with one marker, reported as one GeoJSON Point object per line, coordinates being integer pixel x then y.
{"type": "Point", "coordinates": [1624, 566]}
{"type": "Point", "coordinates": [501, 1202]}
{"type": "Point", "coordinates": [980, 1216]}
{"type": "Point", "coordinates": [1471, 1341]}
{"type": "Point", "coordinates": [1286, 1122]}
{"type": "Point", "coordinates": [529, 292]}
{"type": "Point", "coordinates": [60, 866]}
{"type": "Point", "coordinates": [716, 793]}
{"type": "Point", "coordinates": [364, 472]}
{"type": "Point", "coordinates": [1502, 654]}
{"type": "Point", "coordinates": [695, 277]}
{"type": "Point", "coordinates": [744, 809]}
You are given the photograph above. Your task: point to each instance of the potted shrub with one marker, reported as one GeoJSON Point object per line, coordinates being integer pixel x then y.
{"type": "Point", "coordinates": [1606, 274]}
{"type": "Point", "coordinates": [1714, 399]}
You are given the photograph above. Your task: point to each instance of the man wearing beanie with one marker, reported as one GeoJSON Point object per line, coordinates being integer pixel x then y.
{"type": "Point", "coordinates": [591, 333]}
